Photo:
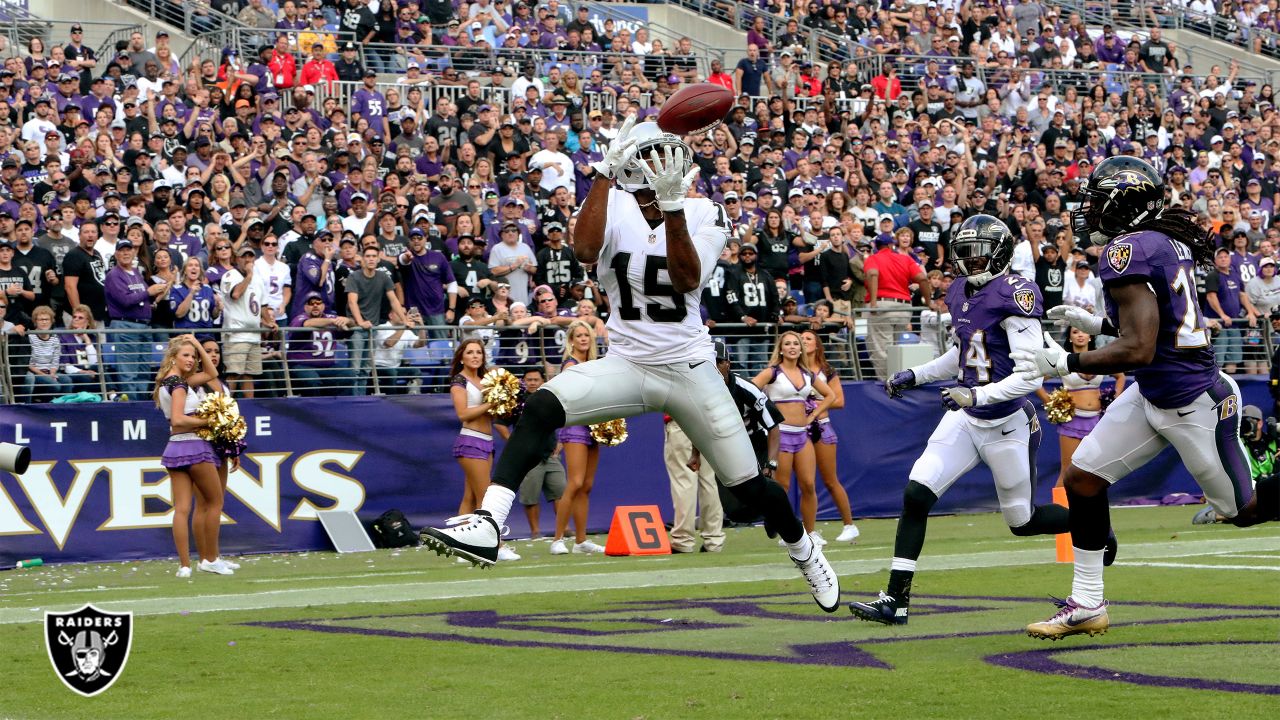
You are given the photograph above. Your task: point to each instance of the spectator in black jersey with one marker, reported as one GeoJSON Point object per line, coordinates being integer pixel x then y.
{"type": "Point", "coordinates": [1051, 274]}
{"type": "Point", "coordinates": [755, 303]}
{"type": "Point", "coordinates": [558, 267]}
{"type": "Point", "coordinates": [928, 234]}
{"type": "Point", "coordinates": [470, 269]}
{"type": "Point", "coordinates": [834, 264]}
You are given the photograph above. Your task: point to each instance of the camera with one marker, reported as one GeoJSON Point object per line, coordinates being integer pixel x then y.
{"type": "Point", "coordinates": [14, 458]}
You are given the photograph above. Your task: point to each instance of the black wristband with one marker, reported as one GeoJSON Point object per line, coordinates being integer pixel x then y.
{"type": "Point", "coordinates": [1073, 362]}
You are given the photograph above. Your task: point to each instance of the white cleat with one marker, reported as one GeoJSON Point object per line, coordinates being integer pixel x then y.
{"type": "Point", "coordinates": [474, 537]}
{"type": "Point", "coordinates": [848, 534]}
{"type": "Point", "coordinates": [822, 580]}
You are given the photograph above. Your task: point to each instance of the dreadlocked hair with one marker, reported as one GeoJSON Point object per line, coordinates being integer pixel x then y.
{"type": "Point", "coordinates": [1181, 225]}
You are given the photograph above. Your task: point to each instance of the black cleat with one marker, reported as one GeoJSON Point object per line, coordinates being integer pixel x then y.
{"type": "Point", "coordinates": [886, 611]}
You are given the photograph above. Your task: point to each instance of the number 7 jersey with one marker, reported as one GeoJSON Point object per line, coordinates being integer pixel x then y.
{"type": "Point", "coordinates": [649, 322]}
{"type": "Point", "coordinates": [1183, 365]}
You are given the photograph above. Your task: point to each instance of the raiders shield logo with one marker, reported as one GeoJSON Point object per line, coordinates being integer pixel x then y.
{"type": "Point", "coordinates": [1118, 256]}
{"type": "Point", "coordinates": [1025, 300]}
{"type": "Point", "coordinates": [88, 647]}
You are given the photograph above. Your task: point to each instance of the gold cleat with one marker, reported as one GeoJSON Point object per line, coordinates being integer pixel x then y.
{"type": "Point", "coordinates": [1071, 619]}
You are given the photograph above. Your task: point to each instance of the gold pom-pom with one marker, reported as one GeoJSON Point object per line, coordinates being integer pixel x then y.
{"type": "Point", "coordinates": [1059, 407]}
{"type": "Point", "coordinates": [610, 433]}
{"type": "Point", "coordinates": [226, 428]}
{"type": "Point", "coordinates": [501, 390]}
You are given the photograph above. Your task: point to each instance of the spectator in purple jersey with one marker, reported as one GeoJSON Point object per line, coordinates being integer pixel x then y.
{"type": "Point", "coordinates": [129, 308]}
{"type": "Point", "coordinates": [315, 273]}
{"type": "Point", "coordinates": [429, 284]}
{"type": "Point", "coordinates": [196, 307]}
{"type": "Point", "coordinates": [371, 105]}
{"type": "Point", "coordinates": [312, 351]}
{"type": "Point", "coordinates": [1226, 301]}
{"type": "Point", "coordinates": [220, 261]}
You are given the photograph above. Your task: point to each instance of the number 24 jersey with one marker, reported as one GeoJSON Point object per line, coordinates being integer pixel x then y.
{"type": "Point", "coordinates": [649, 322]}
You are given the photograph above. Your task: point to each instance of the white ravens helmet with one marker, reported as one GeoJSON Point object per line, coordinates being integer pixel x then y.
{"type": "Point", "coordinates": [649, 137]}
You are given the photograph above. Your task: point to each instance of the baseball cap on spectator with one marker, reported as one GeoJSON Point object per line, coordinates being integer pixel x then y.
{"type": "Point", "coordinates": [512, 201]}
{"type": "Point", "coordinates": [795, 192]}
{"type": "Point", "coordinates": [124, 245]}
{"type": "Point", "coordinates": [370, 72]}
{"type": "Point", "coordinates": [1082, 264]}
{"type": "Point", "coordinates": [553, 226]}
{"type": "Point", "coordinates": [359, 197]}
{"type": "Point", "coordinates": [246, 249]}
{"type": "Point", "coordinates": [509, 225]}
{"type": "Point", "coordinates": [1266, 261]}
{"type": "Point", "coordinates": [1253, 181]}
{"type": "Point", "coordinates": [883, 217]}
{"type": "Point", "coordinates": [1216, 139]}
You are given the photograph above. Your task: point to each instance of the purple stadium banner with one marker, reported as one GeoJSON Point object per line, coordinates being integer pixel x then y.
{"type": "Point", "coordinates": [95, 490]}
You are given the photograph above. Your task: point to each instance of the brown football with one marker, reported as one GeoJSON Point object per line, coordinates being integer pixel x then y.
{"type": "Point", "coordinates": [695, 108]}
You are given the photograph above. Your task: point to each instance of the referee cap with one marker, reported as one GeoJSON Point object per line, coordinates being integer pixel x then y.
{"type": "Point", "coordinates": [722, 350]}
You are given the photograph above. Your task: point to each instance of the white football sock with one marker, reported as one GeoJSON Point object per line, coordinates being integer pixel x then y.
{"type": "Point", "coordinates": [1086, 584]}
{"type": "Point", "coordinates": [497, 502]}
{"type": "Point", "coordinates": [802, 548]}
{"type": "Point", "coordinates": [903, 564]}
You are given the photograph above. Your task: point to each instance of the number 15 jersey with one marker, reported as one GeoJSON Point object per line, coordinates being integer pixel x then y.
{"type": "Point", "coordinates": [649, 322]}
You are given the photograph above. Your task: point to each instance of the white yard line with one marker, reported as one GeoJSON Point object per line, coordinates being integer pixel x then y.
{"type": "Point", "coordinates": [649, 575]}
{"type": "Point", "coordinates": [1200, 566]}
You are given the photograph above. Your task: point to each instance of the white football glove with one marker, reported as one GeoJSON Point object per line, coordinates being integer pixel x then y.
{"type": "Point", "coordinates": [1049, 361]}
{"type": "Point", "coordinates": [620, 152]}
{"type": "Point", "coordinates": [1071, 316]}
{"type": "Point", "coordinates": [665, 179]}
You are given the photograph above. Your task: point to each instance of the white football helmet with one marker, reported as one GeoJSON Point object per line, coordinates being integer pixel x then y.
{"type": "Point", "coordinates": [649, 137]}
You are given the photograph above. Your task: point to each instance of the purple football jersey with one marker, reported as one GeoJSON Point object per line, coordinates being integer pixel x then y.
{"type": "Point", "coordinates": [976, 315]}
{"type": "Point", "coordinates": [1183, 366]}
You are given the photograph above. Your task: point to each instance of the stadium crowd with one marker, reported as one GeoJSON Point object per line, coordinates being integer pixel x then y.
{"type": "Point", "coordinates": [433, 180]}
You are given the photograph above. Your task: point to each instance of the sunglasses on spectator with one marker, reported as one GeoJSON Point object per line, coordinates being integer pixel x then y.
{"type": "Point", "coordinates": [111, 222]}
{"type": "Point", "coordinates": [269, 244]}
{"type": "Point", "coordinates": [223, 247]}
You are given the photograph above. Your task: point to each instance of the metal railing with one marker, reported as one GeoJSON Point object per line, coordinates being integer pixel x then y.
{"type": "Point", "coordinates": [123, 362]}
{"type": "Point", "coordinates": [1139, 16]}
{"type": "Point", "coordinates": [101, 36]}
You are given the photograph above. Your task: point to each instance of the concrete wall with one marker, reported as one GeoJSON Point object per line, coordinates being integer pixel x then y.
{"type": "Point", "coordinates": [711, 32]}
{"type": "Point", "coordinates": [93, 12]}
{"type": "Point", "coordinates": [1206, 52]}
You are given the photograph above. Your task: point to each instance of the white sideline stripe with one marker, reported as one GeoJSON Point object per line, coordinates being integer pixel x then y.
{"type": "Point", "coordinates": [68, 591]}
{"type": "Point", "coordinates": [1200, 566]}
{"type": "Point", "coordinates": [648, 576]}
{"type": "Point", "coordinates": [1253, 557]}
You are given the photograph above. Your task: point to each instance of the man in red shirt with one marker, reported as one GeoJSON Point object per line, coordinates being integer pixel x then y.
{"type": "Point", "coordinates": [318, 69]}
{"type": "Point", "coordinates": [719, 76]}
{"type": "Point", "coordinates": [889, 277]}
{"type": "Point", "coordinates": [282, 64]}
{"type": "Point", "coordinates": [887, 85]}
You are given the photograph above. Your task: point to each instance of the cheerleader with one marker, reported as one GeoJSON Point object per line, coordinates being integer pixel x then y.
{"type": "Point", "coordinates": [191, 461]}
{"type": "Point", "coordinates": [581, 454]}
{"type": "Point", "coordinates": [1085, 396]}
{"type": "Point", "coordinates": [788, 382]}
{"type": "Point", "coordinates": [474, 447]}
{"type": "Point", "coordinates": [824, 448]}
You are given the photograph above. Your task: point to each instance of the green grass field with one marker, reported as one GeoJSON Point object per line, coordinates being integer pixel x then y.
{"type": "Point", "coordinates": [1195, 633]}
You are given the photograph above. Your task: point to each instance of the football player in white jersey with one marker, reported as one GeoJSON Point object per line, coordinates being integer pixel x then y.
{"type": "Point", "coordinates": [655, 249]}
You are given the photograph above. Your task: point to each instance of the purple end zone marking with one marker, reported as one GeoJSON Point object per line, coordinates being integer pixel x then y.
{"type": "Point", "coordinates": [838, 654]}
{"type": "Point", "coordinates": [546, 623]}
{"type": "Point", "coordinates": [1044, 662]}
